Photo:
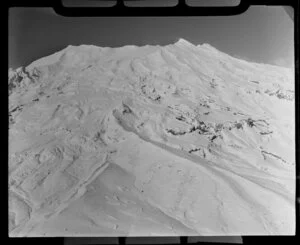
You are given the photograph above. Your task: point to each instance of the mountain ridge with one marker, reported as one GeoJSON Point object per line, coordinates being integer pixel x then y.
{"type": "Point", "coordinates": [181, 41]}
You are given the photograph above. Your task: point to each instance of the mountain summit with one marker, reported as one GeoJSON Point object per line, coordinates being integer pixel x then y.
{"type": "Point", "coordinates": [184, 42]}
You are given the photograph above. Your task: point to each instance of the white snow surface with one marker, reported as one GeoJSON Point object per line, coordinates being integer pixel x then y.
{"type": "Point", "coordinates": [154, 140]}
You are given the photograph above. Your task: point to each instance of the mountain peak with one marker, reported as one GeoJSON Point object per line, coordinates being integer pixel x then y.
{"type": "Point", "coordinates": [184, 42]}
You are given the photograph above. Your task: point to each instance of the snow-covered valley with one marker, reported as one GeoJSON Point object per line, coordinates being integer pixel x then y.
{"type": "Point", "coordinates": [153, 140]}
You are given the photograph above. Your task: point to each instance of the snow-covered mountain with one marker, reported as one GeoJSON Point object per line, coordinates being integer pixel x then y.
{"type": "Point", "coordinates": [153, 140]}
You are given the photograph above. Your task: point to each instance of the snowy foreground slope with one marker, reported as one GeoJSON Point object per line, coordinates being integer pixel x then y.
{"type": "Point", "coordinates": [173, 140]}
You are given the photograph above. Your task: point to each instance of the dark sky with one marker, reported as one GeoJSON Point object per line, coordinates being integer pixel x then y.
{"type": "Point", "coordinates": [261, 34]}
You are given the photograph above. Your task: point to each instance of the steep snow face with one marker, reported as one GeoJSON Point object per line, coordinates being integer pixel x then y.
{"type": "Point", "coordinates": [173, 140]}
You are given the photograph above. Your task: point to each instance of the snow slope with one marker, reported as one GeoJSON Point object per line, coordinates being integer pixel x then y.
{"type": "Point", "coordinates": [172, 140]}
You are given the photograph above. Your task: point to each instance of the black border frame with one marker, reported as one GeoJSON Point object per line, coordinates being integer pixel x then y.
{"type": "Point", "coordinates": [179, 10]}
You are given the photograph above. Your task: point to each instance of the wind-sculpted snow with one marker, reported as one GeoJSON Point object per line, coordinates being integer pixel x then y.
{"type": "Point", "coordinates": [173, 140]}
